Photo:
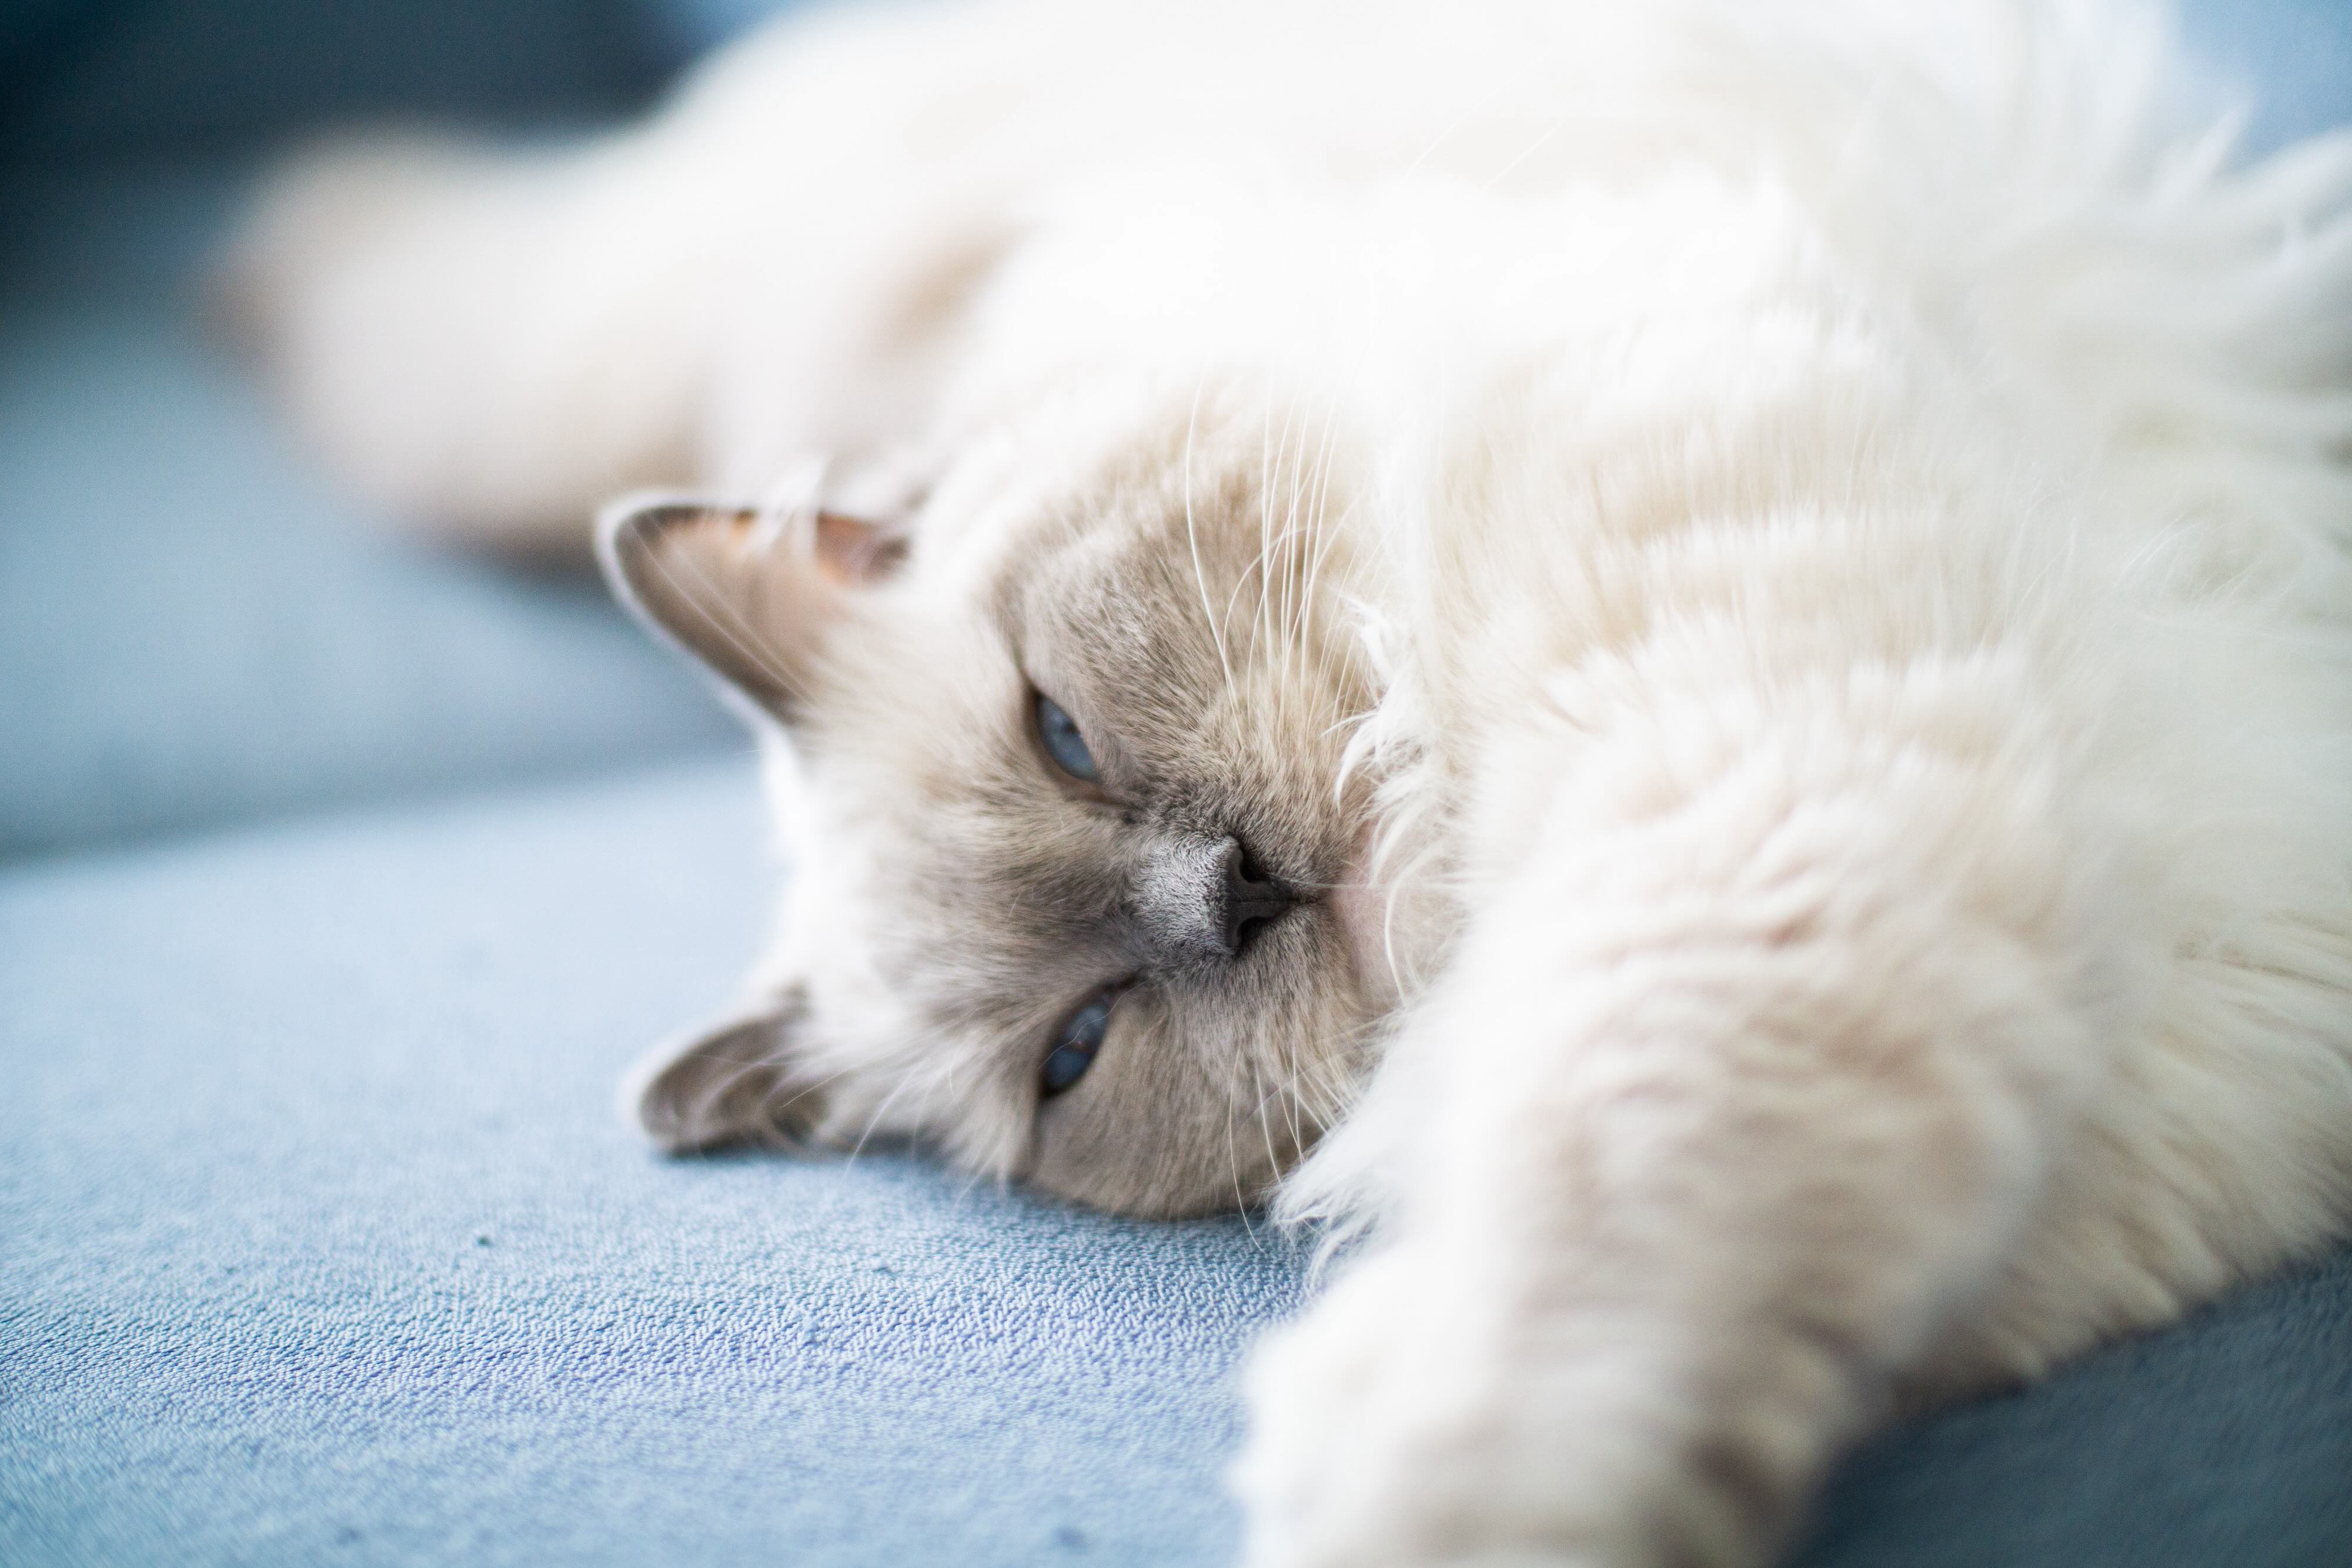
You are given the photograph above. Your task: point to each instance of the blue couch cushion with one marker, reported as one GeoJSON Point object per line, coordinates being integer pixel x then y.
{"type": "Point", "coordinates": [320, 1235]}
{"type": "Point", "coordinates": [320, 1238]}
{"type": "Point", "coordinates": [2289, 60]}
{"type": "Point", "coordinates": [194, 629]}
{"type": "Point", "coordinates": [2225, 1441]}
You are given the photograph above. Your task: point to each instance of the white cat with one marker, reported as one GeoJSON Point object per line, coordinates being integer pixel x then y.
{"type": "Point", "coordinates": [1704, 653]}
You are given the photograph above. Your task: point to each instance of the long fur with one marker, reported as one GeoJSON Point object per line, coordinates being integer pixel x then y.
{"type": "Point", "coordinates": [1779, 569]}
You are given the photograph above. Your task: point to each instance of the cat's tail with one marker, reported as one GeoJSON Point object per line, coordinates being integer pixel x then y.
{"type": "Point", "coordinates": [494, 341]}
{"type": "Point", "coordinates": [488, 343]}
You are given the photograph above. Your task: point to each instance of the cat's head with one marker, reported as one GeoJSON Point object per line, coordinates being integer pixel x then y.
{"type": "Point", "coordinates": [1074, 888]}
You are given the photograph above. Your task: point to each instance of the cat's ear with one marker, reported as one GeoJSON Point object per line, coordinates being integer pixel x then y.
{"type": "Point", "coordinates": [739, 1081]}
{"type": "Point", "coordinates": [749, 594]}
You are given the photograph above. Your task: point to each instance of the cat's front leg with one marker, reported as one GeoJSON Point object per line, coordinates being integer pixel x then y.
{"type": "Point", "coordinates": [1423, 1413]}
{"type": "Point", "coordinates": [1740, 1084]}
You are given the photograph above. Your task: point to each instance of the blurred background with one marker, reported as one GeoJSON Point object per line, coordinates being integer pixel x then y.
{"type": "Point", "coordinates": [195, 630]}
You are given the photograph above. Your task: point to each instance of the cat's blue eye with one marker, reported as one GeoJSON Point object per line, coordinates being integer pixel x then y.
{"type": "Point", "coordinates": [1076, 1043]}
{"type": "Point", "coordinates": [1064, 744]}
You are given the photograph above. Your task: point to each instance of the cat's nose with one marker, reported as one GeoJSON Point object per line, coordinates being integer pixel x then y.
{"type": "Point", "coordinates": [1203, 898]}
{"type": "Point", "coordinates": [1253, 900]}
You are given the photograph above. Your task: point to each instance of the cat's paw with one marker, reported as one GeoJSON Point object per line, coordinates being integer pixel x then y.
{"type": "Point", "coordinates": [1388, 1430]}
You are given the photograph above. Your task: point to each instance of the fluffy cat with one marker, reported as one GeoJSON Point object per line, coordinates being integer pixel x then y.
{"type": "Point", "coordinates": [1689, 667]}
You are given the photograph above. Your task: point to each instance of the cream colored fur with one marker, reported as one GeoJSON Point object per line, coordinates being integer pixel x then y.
{"type": "Point", "coordinates": [1831, 519]}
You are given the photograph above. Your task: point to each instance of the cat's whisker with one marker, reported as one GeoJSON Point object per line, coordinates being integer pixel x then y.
{"type": "Point", "coordinates": [1293, 1069]}
{"type": "Point", "coordinates": [743, 1069]}
{"type": "Point", "coordinates": [1193, 536]}
{"type": "Point", "coordinates": [1479, 107]}
{"type": "Point", "coordinates": [1267, 628]}
{"type": "Point", "coordinates": [1266, 485]}
{"type": "Point", "coordinates": [1493, 182]}
{"type": "Point", "coordinates": [1319, 529]}
{"type": "Point", "coordinates": [1303, 1096]}
{"type": "Point", "coordinates": [1241, 585]}
{"type": "Point", "coordinates": [1240, 1195]}
{"type": "Point", "coordinates": [875, 1121]}
{"type": "Point", "coordinates": [1330, 1099]}
{"type": "Point", "coordinates": [1266, 1130]}
{"type": "Point", "coordinates": [739, 633]}
{"type": "Point", "coordinates": [1298, 524]}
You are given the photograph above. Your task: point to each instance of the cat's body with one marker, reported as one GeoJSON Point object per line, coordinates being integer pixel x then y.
{"type": "Point", "coordinates": [1768, 590]}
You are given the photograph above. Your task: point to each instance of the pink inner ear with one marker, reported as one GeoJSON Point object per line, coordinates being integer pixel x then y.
{"type": "Point", "coordinates": [851, 551]}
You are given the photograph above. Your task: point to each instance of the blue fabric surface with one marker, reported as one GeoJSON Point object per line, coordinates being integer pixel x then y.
{"type": "Point", "coordinates": [194, 629]}
{"type": "Point", "coordinates": [319, 1240]}
{"type": "Point", "coordinates": [2226, 1440]}
{"type": "Point", "coordinates": [2290, 61]}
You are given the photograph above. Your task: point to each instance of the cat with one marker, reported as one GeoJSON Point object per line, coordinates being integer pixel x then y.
{"type": "Point", "coordinates": [1682, 671]}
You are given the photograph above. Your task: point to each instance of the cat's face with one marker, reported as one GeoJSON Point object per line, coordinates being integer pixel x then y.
{"type": "Point", "coordinates": [1074, 892]}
